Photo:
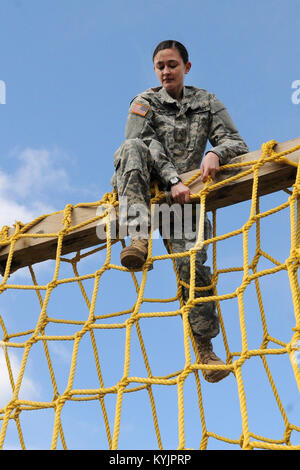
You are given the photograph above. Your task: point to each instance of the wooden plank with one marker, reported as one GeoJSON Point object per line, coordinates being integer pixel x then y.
{"type": "Point", "coordinates": [272, 177]}
{"type": "Point", "coordinates": [27, 251]}
{"type": "Point", "coordinates": [31, 250]}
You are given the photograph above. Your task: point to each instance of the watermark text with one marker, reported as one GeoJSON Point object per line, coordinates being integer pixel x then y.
{"type": "Point", "coordinates": [137, 220]}
{"type": "Point", "coordinates": [2, 92]}
{"type": "Point", "coordinates": [296, 94]}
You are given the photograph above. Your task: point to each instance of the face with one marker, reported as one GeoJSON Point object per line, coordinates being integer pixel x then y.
{"type": "Point", "coordinates": [170, 70]}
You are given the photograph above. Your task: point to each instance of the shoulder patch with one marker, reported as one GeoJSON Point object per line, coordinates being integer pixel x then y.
{"type": "Point", "coordinates": [140, 109]}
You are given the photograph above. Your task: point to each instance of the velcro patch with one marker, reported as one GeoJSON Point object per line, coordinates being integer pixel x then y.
{"type": "Point", "coordinates": [140, 109]}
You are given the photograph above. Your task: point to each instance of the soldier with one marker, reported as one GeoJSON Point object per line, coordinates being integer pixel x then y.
{"type": "Point", "coordinates": [166, 134]}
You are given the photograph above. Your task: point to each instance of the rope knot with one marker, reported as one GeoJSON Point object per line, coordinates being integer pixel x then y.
{"type": "Point", "coordinates": [52, 284]}
{"type": "Point", "coordinates": [148, 264]}
{"type": "Point", "coordinates": [61, 399]}
{"type": "Point", "coordinates": [184, 374]}
{"type": "Point", "coordinates": [186, 308]}
{"type": "Point", "coordinates": [67, 215]}
{"type": "Point", "coordinates": [267, 147]}
{"type": "Point", "coordinates": [99, 272]}
{"type": "Point", "coordinates": [11, 405]}
{"type": "Point", "coordinates": [31, 341]}
{"type": "Point", "coordinates": [130, 321]}
{"type": "Point", "coordinates": [4, 233]}
{"type": "Point", "coordinates": [287, 434]}
{"type": "Point", "coordinates": [123, 382]}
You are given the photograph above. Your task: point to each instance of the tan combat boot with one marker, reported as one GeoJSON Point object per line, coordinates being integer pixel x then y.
{"type": "Point", "coordinates": [207, 356]}
{"type": "Point", "coordinates": [134, 255]}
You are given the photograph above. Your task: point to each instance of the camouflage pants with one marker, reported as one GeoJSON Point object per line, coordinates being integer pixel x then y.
{"type": "Point", "coordinates": [132, 178]}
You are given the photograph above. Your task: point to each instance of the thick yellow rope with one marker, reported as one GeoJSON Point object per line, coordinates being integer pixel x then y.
{"type": "Point", "coordinates": [128, 384]}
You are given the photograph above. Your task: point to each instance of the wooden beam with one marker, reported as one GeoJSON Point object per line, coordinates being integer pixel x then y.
{"type": "Point", "coordinates": [30, 250]}
{"type": "Point", "coordinates": [272, 177]}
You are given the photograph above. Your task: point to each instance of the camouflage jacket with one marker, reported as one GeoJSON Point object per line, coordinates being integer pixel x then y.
{"type": "Point", "coordinates": [177, 132]}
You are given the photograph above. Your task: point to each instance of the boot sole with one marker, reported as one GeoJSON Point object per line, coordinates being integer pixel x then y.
{"type": "Point", "coordinates": [217, 376]}
{"type": "Point", "coordinates": [132, 260]}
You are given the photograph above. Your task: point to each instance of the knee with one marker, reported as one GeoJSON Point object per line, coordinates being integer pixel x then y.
{"type": "Point", "coordinates": [130, 146]}
{"type": "Point", "coordinates": [131, 155]}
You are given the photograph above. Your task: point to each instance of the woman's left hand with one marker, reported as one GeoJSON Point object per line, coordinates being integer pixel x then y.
{"type": "Point", "coordinates": [210, 166]}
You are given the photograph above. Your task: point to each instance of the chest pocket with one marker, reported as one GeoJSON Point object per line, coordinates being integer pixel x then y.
{"type": "Point", "coordinates": [199, 121]}
{"type": "Point", "coordinates": [164, 125]}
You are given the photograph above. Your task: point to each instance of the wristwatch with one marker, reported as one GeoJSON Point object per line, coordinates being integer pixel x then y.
{"type": "Point", "coordinates": [173, 181]}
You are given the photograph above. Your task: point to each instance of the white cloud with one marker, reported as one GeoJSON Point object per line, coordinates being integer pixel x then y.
{"type": "Point", "coordinates": [38, 184]}
{"type": "Point", "coordinates": [12, 210]}
{"type": "Point", "coordinates": [24, 193]}
{"type": "Point", "coordinates": [38, 171]}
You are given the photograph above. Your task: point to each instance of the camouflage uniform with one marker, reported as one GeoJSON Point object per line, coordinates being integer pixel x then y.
{"type": "Point", "coordinates": [165, 138]}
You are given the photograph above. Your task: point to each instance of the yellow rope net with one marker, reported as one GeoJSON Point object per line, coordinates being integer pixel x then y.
{"type": "Point", "coordinates": [16, 407]}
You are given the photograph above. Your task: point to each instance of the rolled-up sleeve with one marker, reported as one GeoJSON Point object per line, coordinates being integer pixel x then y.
{"type": "Point", "coordinates": [223, 135]}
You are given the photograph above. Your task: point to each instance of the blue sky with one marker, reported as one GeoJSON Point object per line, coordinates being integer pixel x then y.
{"type": "Point", "coordinates": [70, 69]}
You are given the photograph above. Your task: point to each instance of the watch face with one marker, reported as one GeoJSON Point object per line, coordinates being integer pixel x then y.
{"type": "Point", "coordinates": [174, 181]}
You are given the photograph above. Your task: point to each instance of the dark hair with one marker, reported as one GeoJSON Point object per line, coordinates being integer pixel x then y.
{"type": "Point", "coordinates": [170, 44]}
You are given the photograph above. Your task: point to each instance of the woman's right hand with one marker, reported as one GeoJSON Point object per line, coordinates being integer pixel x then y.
{"type": "Point", "coordinates": [180, 193]}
